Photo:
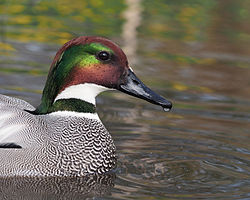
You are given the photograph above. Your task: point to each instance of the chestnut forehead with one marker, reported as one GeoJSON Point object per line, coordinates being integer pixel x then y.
{"type": "Point", "coordinates": [83, 40]}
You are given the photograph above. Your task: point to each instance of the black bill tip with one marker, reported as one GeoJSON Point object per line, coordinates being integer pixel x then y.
{"type": "Point", "coordinates": [135, 87]}
{"type": "Point", "coordinates": [165, 104]}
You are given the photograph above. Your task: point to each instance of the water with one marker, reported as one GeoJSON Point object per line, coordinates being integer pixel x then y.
{"type": "Point", "coordinates": [194, 53]}
{"type": "Point", "coordinates": [166, 109]}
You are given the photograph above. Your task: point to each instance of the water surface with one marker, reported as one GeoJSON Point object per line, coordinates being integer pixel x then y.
{"type": "Point", "coordinates": [195, 53]}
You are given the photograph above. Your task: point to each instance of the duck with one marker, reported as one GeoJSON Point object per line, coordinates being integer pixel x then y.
{"type": "Point", "coordinates": [64, 136]}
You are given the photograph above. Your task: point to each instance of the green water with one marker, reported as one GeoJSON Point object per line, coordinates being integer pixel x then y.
{"type": "Point", "coordinates": [195, 53]}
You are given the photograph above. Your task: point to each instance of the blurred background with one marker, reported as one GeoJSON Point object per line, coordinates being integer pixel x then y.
{"type": "Point", "coordinates": [195, 53]}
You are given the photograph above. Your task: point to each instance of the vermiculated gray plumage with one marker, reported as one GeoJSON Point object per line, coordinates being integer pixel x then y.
{"type": "Point", "coordinates": [52, 145]}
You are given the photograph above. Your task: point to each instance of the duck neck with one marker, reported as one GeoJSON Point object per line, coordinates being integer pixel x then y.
{"type": "Point", "coordinates": [72, 104]}
{"type": "Point", "coordinates": [60, 72]}
{"type": "Point", "coordinates": [78, 98]}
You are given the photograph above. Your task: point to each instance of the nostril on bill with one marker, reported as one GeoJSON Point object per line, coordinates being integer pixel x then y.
{"type": "Point", "coordinates": [136, 82]}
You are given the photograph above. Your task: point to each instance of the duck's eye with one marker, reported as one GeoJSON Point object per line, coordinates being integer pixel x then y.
{"type": "Point", "coordinates": [103, 55]}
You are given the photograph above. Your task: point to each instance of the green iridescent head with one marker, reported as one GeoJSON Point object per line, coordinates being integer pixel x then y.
{"type": "Point", "coordinates": [90, 60]}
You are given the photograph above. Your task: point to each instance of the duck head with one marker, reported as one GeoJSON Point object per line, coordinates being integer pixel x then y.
{"type": "Point", "coordinates": [86, 66]}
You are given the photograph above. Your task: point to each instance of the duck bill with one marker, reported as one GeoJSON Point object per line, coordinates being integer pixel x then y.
{"type": "Point", "coordinates": [135, 87]}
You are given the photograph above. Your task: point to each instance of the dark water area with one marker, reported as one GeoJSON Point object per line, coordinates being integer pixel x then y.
{"type": "Point", "coordinates": [195, 53]}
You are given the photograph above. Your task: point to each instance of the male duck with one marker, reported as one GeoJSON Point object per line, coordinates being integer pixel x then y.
{"type": "Point", "coordinates": [64, 136]}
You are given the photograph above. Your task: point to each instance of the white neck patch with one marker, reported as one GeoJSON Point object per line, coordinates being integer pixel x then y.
{"type": "Point", "coordinates": [86, 92]}
{"type": "Point", "coordinates": [75, 114]}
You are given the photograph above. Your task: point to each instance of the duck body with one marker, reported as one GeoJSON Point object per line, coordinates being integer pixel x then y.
{"type": "Point", "coordinates": [64, 136]}
{"type": "Point", "coordinates": [57, 144]}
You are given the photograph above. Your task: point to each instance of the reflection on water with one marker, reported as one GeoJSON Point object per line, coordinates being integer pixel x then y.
{"type": "Point", "coordinates": [55, 187]}
{"type": "Point", "coordinates": [195, 53]}
{"type": "Point", "coordinates": [132, 16]}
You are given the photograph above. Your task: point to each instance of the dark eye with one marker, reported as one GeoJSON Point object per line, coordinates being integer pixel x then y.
{"type": "Point", "coordinates": [103, 55]}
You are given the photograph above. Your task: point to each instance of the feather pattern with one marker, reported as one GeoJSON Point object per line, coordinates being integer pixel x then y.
{"type": "Point", "coordinates": [52, 145]}
{"type": "Point", "coordinates": [64, 136]}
